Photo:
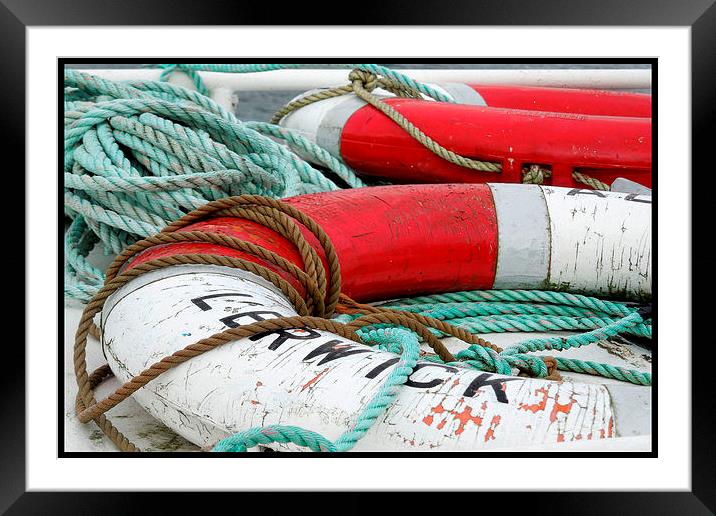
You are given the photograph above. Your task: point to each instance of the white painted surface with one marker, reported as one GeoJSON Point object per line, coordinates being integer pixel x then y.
{"type": "Point", "coordinates": [573, 240]}
{"type": "Point", "coordinates": [244, 383]}
{"type": "Point", "coordinates": [151, 434]}
{"type": "Point", "coordinates": [307, 120]}
{"type": "Point", "coordinates": [322, 122]}
{"type": "Point", "coordinates": [129, 417]}
{"type": "Point", "coordinates": [600, 242]}
{"type": "Point", "coordinates": [278, 80]}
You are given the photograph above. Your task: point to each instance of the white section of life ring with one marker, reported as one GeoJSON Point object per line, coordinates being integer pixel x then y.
{"type": "Point", "coordinates": [600, 242]}
{"type": "Point", "coordinates": [317, 380]}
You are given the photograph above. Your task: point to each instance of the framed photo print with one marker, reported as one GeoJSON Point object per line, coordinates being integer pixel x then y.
{"type": "Point", "coordinates": [268, 254]}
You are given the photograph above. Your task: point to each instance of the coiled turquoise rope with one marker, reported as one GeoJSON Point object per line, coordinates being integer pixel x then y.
{"type": "Point", "coordinates": [141, 154]}
{"type": "Point", "coordinates": [530, 311]}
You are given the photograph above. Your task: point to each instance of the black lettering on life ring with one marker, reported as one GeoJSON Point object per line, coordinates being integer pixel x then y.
{"type": "Point", "coordinates": [282, 335]}
{"type": "Point", "coordinates": [199, 301]}
{"type": "Point", "coordinates": [585, 191]}
{"type": "Point", "coordinates": [256, 315]}
{"type": "Point", "coordinates": [334, 349]}
{"type": "Point", "coordinates": [483, 381]}
{"type": "Point", "coordinates": [432, 383]}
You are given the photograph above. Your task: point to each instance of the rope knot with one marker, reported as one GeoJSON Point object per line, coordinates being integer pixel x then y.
{"type": "Point", "coordinates": [535, 175]}
{"type": "Point", "coordinates": [368, 80]}
{"type": "Point", "coordinates": [537, 367]}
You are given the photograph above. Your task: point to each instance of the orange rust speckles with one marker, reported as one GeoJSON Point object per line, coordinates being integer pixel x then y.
{"type": "Point", "coordinates": [560, 438]}
{"type": "Point", "coordinates": [254, 402]}
{"type": "Point", "coordinates": [490, 434]}
{"type": "Point", "coordinates": [259, 384]}
{"type": "Point", "coordinates": [438, 409]}
{"type": "Point", "coordinates": [314, 379]}
{"type": "Point", "coordinates": [465, 417]}
{"type": "Point", "coordinates": [610, 431]}
{"type": "Point", "coordinates": [559, 407]}
{"type": "Point", "coordinates": [537, 407]}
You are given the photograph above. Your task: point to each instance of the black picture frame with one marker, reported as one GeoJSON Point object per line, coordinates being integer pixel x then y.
{"type": "Point", "coordinates": [700, 15]}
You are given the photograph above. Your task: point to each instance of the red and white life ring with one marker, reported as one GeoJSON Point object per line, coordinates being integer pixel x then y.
{"type": "Point", "coordinates": [390, 241]}
{"type": "Point", "coordinates": [601, 134]}
{"type": "Point", "coordinates": [413, 239]}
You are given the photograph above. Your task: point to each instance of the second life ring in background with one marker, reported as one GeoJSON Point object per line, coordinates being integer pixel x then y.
{"type": "Point", "coordinates": [566, 131]}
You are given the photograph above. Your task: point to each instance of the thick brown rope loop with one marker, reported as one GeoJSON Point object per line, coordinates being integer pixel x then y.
{"type": "Point", "coordinates": [86, 384]}
{"type": "Point", "coordinates": [94, 331]}
{"type": "Point", "coordinates": [85, 398]}
{"type": "Point", "coordinates": [215, 208]}
{"type": "Point", "coordinates": [312, 313]}
{"type": "Point", "coordinates": [315, 295]}
{"type": "Point", "coordinates": [286, 227]}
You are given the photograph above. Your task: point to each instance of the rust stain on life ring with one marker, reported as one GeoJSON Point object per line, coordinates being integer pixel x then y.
{"type": "Point", "coordinates": [313, 380]}
{"type": "Point", "coordinates": [537, 407]}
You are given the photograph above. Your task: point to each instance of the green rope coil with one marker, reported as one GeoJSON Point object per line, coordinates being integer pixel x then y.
{"type": "Point", "coordinates": [497, 311]}
{"type": "Point", "coordinates": [140, 154]}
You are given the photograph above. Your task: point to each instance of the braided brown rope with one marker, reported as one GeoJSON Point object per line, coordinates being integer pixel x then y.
{"type": "Point", "coordinates": [267, 208]}
{"type": "Point", "coordinates": [313, 291]}
{"type": "Point", "coordinates": [535, 175]}
{"type": "Point", "coordinates": [313, 313]}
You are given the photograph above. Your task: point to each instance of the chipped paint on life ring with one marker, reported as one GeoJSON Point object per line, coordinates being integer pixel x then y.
{"type": "Point", "coordinates": [319, 381]}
